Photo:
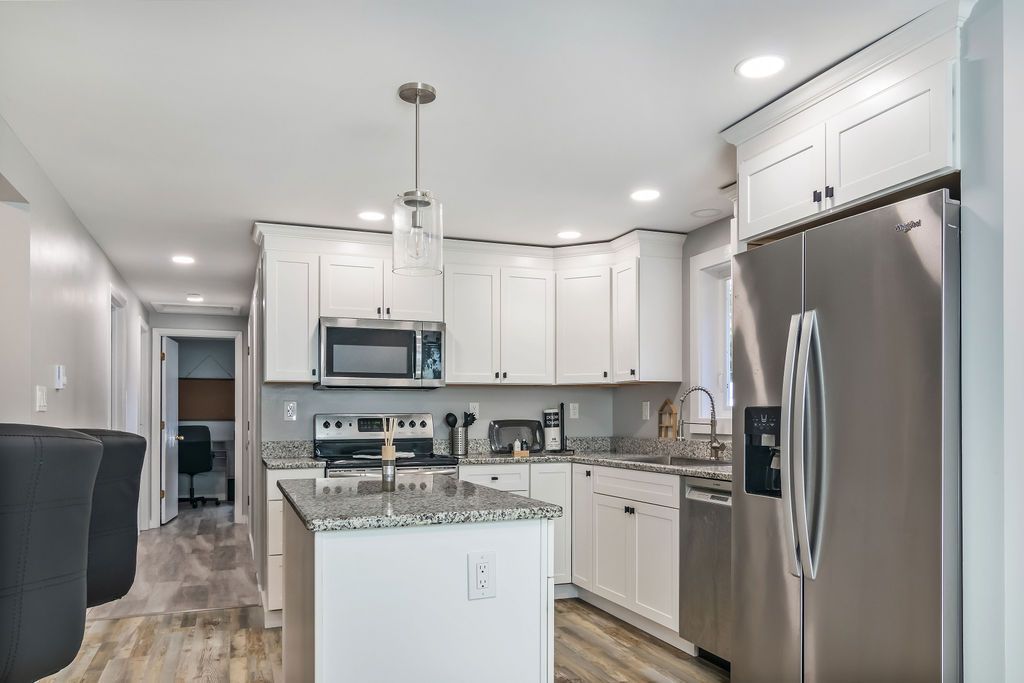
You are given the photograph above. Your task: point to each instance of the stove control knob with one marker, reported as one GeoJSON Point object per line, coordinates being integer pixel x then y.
{"type": "Point", "coordinates": [327, 424]}
{"type": "Point", "coordinates": [423, 424]}
{"type": "Point", "coordinates": [401, 423]}
{"type": "Point", "coordinates": [338, 424]}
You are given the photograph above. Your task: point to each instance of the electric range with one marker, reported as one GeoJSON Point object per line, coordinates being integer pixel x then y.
{"type": "Point", "coordinates": [349, 444]}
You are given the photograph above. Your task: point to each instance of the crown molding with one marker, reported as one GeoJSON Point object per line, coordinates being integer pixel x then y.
{"type": "Point", "coordinates": [875, 56]}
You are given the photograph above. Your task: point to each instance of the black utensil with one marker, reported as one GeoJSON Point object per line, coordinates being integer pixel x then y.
{"type": "Point", "coordinates": [451, 420]}
{"type": "Point", "coordinates": [468, 419]}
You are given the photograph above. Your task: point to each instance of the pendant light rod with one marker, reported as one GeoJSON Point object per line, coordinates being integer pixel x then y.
{"type": "Point", "coordinates": [416, 93]}
{"type": "Point", "coordinates": [416, 182]}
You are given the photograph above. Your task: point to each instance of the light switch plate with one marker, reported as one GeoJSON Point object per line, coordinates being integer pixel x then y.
{"type": "Point", "coordinates": [574, 411]}
{"type": "Point", "coordinates": [291, 410]}
{"type": "Point", "coordinates": [40, 399]}
{"type": "Point", "coordinates": [482, 573]}
{"type": "Point", "coordinates": [475, 409]}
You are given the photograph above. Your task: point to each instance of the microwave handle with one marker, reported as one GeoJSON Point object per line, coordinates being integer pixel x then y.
{"type": "Point", "coordinates": [417, 372]}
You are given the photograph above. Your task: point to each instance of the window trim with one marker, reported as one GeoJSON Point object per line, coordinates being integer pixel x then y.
{"type": "Point", "coordinates": [701, 274]}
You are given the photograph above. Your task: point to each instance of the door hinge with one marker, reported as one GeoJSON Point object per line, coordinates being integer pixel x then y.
{"type": "Point", "coordinates": [163, 494]}
{"type": "Point", "coordinates": [162, 425]}
{"type": "Point", "coordinates": [163, 356]}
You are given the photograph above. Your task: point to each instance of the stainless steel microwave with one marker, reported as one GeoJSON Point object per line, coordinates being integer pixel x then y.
{"type": "Point", "coordinates": [381, 353]}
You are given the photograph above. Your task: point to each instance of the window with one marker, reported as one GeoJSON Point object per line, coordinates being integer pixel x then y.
{"type": "Point", "coordinates": [711, 339]}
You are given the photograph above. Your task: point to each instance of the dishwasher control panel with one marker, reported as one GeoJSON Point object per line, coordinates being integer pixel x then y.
{"type": "Point", "coordinates": [761, 464]}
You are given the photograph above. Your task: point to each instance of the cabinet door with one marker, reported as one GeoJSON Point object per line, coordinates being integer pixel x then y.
{"type": "Point", "coordinates": [895, 136]}
{"type": "Point", "coordinates": [552, 483]}
{"type": "Point", "coordinates": [655, 563]}
{"type": "Point", "coordinates": [413, 297]}
{"type": "Point", "coordinates": [527, 326]}
{"type": "Point", "coordinates": [625, 323]}
{"type": "Point", "coordinates": [292, 316]}
{"type": "Point", "coordinates": [612, 559]}
{"type": "Point", "coordinates": [777, 186]}
{"type": "Point", "coordinates": [471, 314]}
{"type": "Point", "coordinates": [351, 286]}
{"type": "Point", "coordinates": [583, 526]}
{"type": "Point", "coordinates": [584, 326]}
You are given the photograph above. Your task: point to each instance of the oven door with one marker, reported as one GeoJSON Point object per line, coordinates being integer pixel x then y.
{"type": "Point", "coordinates": [370, 353]}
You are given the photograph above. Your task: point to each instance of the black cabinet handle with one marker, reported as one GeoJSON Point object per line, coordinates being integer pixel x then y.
{"type": "Point", "coordinates": [830, 192]}
{"type": "Point", "coordinates": [588, 473]}
{"type": "Point", "coordinates": [504, 375]}
{"type": "Point", "coordinates": [388, 310]}
{"type": "Point", "coordinates": [605, 373]}
{"type": "Point", "coordinates": [816, 197]}
{"type": "Point", "coordinates": [313, 372]}
{"type": "Point", "coordinates": [495, 375]}
{"type": "Point", "coordinates": [625, 509]}
{"type": "Point", "coordinates": [632, 371]}
{"type": "Point", "coordinates": [494, 479]}
{"type": "Point", "coordinates": [378, 310]}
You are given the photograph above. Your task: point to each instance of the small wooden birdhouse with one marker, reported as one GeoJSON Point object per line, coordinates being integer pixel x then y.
{"type": "Point", "coordinates": [668, 420]}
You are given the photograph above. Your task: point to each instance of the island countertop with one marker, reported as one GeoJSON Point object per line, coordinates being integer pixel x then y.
{"type": "Point", "coordinates": [358, 503]}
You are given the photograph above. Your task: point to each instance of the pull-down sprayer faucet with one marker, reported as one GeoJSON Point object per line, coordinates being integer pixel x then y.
{"type": "Point", "coordinates": [716, 446]}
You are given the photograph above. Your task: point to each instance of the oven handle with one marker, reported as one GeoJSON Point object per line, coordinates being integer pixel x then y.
{"type": "Point", "coordinates": [376, 472]}
{"type": "Point", "coordinates": [417, 372]}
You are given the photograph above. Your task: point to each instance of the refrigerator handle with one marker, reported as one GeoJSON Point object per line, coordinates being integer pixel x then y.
{"type": "Point", "coordinates": [800, 424]}
{"type": "Point", "coordinates": [786, 446]}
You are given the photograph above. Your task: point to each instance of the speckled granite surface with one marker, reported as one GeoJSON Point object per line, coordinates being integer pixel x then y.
{"type": "Point", "coordinates": [291, 463]}
{"type": "Point", "coordinates": [275, 450]}
{"type": "Point", "coordinates": [687, 448]}
{"type": "Point", "coordinates": [340, 504]}
{"type": "Point", "coordinates": [580, 444]}
{"type": "Point", "coordinates": [664, 464]}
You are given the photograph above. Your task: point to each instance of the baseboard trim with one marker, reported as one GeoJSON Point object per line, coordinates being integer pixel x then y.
{"type": "Point", "coordinates": [643, 623]}
{"type": "Point", "coordinates": [566, 590]}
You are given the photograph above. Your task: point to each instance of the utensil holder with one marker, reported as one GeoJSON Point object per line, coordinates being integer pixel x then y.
{"type": "Point", "coordinates": [460, 441]}
{"type": "Point", "coordinates": [388, 469]}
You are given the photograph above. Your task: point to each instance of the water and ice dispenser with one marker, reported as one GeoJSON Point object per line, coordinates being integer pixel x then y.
{"type": "Point", "coordinates": [761, 464]}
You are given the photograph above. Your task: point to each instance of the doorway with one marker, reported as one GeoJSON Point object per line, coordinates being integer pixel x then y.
{"type": "Point", "coordinates": [199, 417]}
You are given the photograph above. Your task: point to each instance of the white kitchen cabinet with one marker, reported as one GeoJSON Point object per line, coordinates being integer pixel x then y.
{"type": "Point", "coordinates": [351, 286]}
{"type": "Point", "coordinates": [647, 308]}
{"type": "Point", "coordinates": [782, 184]}
{"type": "Point", "coordinates": [552, 483]}
{"type": "Point", "coordinates": [896, 135]}
{"type": "Point", "coordinates": [655, 563]}
{"type": "Point", "coordinates": [272, 581]}
{"type": "Point", "coordinates": [583, 526]}
{"type": "Point", "coordinates": [612, 556]}
{"type": "Point", "coordinates": [583, 339]}
{"type": "Point", "coordinates": [511, 478]}
{"type": "Point", "coordinates": [527, 326]}
{"type": "Point", "coordinates": [472, 303]}
{"type": "Point", "coordinates": [292, 316]}
{"type": "Point", "coordinates": [413, 297]}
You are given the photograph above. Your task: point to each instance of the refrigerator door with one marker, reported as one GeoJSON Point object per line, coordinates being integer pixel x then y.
{"type": "Point", "coordinates": [880, 594]}
{"type": "Point", "coordinates": [766, 595]}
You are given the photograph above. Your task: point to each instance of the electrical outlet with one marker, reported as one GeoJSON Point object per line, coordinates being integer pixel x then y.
{"type": "Point", "coordinates": [475, 409]}
{"type": "Point", "coordinates": [40, 398]}
{"type": "Point", "coordinates": [645, 410]}
{"type": "Point", "coordinates": [291, 410]}
{"type": "Point", "coordinates": [482, 574]}
{"type": "Point", "coordinates": [574, 411]}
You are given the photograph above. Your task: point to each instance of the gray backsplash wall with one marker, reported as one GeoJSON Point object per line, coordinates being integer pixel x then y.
{"type": "Point", "coordinates": [627, 399]}
{"type": "Point", "coordinates": [496, 402]}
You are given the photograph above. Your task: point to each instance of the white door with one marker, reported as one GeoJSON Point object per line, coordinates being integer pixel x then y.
{"type": "Point", "coordinates": [583, 339]}
{"type": "Point", "coordinates": [413, 297]}
{"type": "Point", "coordinates": [527, 326]}
{"type": "Point", "coordinates": [778, 185]}
{"type": "Point", "coordinates": [583, 526]}
{"type": "Point", "coordinates": [625, 324]}
{"type": "Point", "coordinates": [351, 287]}
{"type": "Point", "coordinates": [472, 320]}
{"type": "Point", "coordinates": [612, 559]}
{"type": "Point", "coordinates": [901, 133]}
{"type": "Point", "coordinates": [552, 483]}
{"type": "Point", "coordinates": [292, 316]}
{"type": "Point", "coordinates": [169, 434]}
{"type": "Point", "coordinates": [655, 563]}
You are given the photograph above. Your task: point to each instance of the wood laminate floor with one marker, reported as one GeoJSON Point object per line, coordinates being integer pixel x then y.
{"type": "Point", "coordinates": [199, 560]}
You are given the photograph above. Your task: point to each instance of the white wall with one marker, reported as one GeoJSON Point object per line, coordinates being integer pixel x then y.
{"type": "Point", "coordinates": [68, 319]}
{"type": "Point", "coordinates": [198, 322]}
{"type": "Point", "coordinates": [627, 399]}
{"type": "Point", "coordinates": [15, 346]}
{"type": "Point", "coordinates": [206, 358]}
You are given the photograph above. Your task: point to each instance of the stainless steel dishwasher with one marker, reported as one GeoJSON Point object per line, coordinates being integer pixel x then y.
{"type": "Point", "coordinates": [705, 565]}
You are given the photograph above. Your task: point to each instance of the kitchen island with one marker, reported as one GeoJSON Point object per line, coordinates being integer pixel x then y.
{"type": "Point", "coordinates": [439, 580]}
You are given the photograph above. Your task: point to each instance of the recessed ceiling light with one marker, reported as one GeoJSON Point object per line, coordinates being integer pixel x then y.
{"type": "Point", "coordinates": [569, 234]}
{"type": "Point", "coordinates": [371, 216]}
{"type": "Point", "coordinates": [644, 195]}
{"type": "Point", "coordinates": [194, 298]}
{"type": "Point", "coordinates": [705, 213]}
{"type": "Point", "coordinates": [761, 66]}
{"type": "Point", "coordinates": [183, 260]}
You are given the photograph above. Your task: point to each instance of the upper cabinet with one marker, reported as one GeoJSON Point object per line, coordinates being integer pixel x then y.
{"type": "Point", "coordinates": [365, 287]}
{"type": "Point", "coordinates": [584, 326]}
{"type": "Point", "coordinates": [472, 341]}
{"type": "Point", "coordinates": [882, 120]}
{"type": "Point", "coordinates": [527, 326]}
{"type": "Point", "coordinates": [292, 315]}
{"type": "Point", "coordinates": [647, 309]}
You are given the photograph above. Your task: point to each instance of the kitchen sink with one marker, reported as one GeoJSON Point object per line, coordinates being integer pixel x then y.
{"type": "Point", "coordinates": [678, 461]}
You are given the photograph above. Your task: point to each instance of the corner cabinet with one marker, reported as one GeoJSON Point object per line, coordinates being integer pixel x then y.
{"type": "Point", "coordinates": [292, 316]}
{"type": "Point", "coordinates": [584, 326]}
{"type": "Point", "coordinates": [647, 306]}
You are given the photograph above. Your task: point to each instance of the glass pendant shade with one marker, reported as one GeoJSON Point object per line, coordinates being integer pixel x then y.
{"type": "Point", "coordinates": [418, 235]}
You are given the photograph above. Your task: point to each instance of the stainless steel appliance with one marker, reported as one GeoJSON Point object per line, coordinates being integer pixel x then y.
{"type": "Point", "coordinates": [705, 565]}
{"type": "Point", "coordinates": [846, 527]}
{"type": "Point", "coordinates": [381, 353]}
{"type": "Point", "coordinates": [349, 444]}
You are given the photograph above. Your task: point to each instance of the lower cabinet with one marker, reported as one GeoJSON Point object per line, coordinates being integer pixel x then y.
{"type": "Point", "coordinates": [272, 579]}
{"type": "Point", "coordinates": [583, 526]}
{"type": "Point", "coordinates": [552, 483]}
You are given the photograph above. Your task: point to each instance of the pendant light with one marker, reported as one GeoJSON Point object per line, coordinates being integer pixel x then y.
{"type": "Point", "coordinates": [418, 233]}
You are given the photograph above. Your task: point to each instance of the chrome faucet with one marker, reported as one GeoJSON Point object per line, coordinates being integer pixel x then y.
{"type": "Point", "coordinates": [716, 446]}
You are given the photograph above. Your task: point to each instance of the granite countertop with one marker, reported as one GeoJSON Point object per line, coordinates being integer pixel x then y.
{"type": "Point", "coordinates": [292, 463]}
{"type": "Point", "coordinates": [688, 467]}
{"type": "Point", "coordinates": [358, 503]}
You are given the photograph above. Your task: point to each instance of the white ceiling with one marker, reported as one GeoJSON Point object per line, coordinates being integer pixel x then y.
{"type": "Point", "coordinates": [171, 126]}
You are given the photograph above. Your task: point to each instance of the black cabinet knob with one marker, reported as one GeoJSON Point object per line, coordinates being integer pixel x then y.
{"type": "Point", "coordinates": [494, 479]}
{"type": "Point", "coordinates": [632, 371]}
{"type": "Point", "coordinates": [378, 310]}
{"type": "Point", "coordinates": [504, 375]}
{"type": "Point", "coordinates": [388, 310]}
{"type": "Point", "coordinates": [588, 473]}
{"type": "Point", "coordinates": [495, 375]}
{"type": "Point", "coordinates": [830, 192]}
{"type": "Point", "coordinates": [605, 373]}
{"type": "Point", "coordinates": [816, 197]}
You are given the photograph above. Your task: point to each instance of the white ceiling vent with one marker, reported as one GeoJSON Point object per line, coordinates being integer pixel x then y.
{"type": "Point", "coordinates": [196, 309]}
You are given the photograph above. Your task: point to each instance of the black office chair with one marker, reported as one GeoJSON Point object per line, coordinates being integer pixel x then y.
{"type": "Point", "coordinates": [195, 456]}
{"type": "Point", "coordinates": [114, 524]}
{"type": "Point", "coordinates": [46, 483]}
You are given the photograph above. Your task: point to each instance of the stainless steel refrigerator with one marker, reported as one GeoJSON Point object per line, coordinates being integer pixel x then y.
{"type": "Point", "coordinates": [846, 482]}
